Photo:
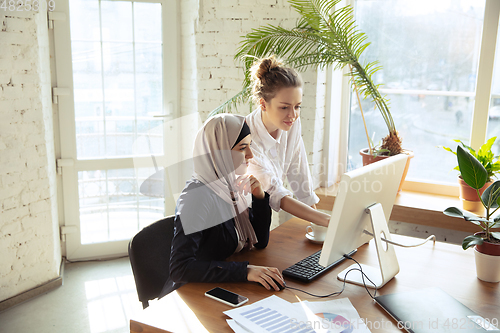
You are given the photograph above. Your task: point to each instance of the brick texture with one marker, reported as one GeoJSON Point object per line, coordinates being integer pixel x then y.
{"type": "Point", "coordinates": [29, 242]}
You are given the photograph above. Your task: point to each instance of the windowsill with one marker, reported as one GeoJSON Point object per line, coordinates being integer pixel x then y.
{"type": "Point", "coordinates": [413, 207]}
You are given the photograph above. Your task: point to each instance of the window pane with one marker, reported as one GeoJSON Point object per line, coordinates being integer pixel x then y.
{"type": "Point", "coordinates": [147, 22]}
{"type": "Point", "coordinates": [111, 205]}
{"type": "Point", "coordinates": [86, 25]}
{"type": "Point", "coordinates": [429, 53]}
{"type": "Point", "coordinates": [119, 99]}
{"type": "Point", "coordinates": [148, 71]}
{"type": "Point", "coordinates": [88, 95]}
{"type": "Point", "coordinates": [116, 18]}
{"type": "Point", "coordinates": [494, 112]}
{"type": "Point", "coordinates": [118, 76]}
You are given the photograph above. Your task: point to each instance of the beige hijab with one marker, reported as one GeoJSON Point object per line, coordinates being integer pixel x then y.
{"type": "Point", "coordinates": [213, 166]}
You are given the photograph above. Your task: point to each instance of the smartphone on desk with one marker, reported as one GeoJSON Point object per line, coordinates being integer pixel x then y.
{"type": "Point", "coordinates": [226, 297]}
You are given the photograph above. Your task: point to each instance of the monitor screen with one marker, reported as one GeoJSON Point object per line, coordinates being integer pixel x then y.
{"type": "Point", "coordinates": [359, 190]}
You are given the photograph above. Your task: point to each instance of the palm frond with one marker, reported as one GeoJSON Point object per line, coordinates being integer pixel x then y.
{"type": "Point", "coordinates": [271, 39]}
{"type": "Point", "coordinates": [314, 12]}
{"type": "Point", "coordinates": [315, 59]}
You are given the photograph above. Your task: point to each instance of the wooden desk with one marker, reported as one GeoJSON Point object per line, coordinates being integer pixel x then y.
{"type": "Point", "coordinates": [444, 265]}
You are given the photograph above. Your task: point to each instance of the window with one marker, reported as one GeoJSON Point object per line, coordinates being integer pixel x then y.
{"type": "Point", "coordinates": [430, 52]}
{"type": "Point", "coordinates": [117, 67]}
{"type": "Point", "coordinates": [494, 111]}
{"type": "Point", "coordinates": [118, 59]}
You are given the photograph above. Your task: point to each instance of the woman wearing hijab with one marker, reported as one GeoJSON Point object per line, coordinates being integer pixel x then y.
{"type": "Point", "coordinates": [212, 219]}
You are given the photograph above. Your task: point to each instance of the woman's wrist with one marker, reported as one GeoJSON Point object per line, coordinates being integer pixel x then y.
{"type": "Point", "coordinates": [326, 219]}
{"type": "Point", "coordinates": [260, 196]}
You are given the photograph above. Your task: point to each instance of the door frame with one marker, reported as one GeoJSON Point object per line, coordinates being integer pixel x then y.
{"type": "Point", "coordinates": [68, 165]}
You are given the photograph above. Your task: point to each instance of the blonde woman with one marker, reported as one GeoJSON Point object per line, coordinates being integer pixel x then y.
{"type": "Point", "coordinates": [278, 149]}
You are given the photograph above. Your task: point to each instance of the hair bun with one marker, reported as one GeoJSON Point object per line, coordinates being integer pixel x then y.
{"type": "Point", "coordinates": [264, 66]}
{"type": "Point", "coordinates": [268, 75]}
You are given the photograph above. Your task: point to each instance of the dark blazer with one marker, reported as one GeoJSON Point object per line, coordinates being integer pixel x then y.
{"type": "Point", "coordinates": [200, 256]}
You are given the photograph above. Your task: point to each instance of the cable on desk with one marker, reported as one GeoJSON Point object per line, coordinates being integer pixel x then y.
{"type": "Point", "coordinates": [337, 293]}
{"type": "Point", "coordinates": [363, 275]}
{"type": "Point", "coordinates": [404, 245]}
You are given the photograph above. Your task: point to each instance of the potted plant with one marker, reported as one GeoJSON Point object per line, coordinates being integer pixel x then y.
{"type": "Point", "coordinates": [376, 153]}
{"type": "Point", "coordinates": [488, 160]}
{"type": "Point", "coordinates": [323, 37]}
{"type": "Point", "coordinates": [486, 242]}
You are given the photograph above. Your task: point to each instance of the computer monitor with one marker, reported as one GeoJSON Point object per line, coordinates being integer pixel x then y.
{"type": "Point", "coordinates": [364, 202]}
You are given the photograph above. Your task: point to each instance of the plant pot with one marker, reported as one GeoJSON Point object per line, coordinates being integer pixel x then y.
{"type": "Point", "coordinates": [369, 159]}
{"type": "Point", "coordinates": [468, 193]}
{"type": "Point", "coordinates": [492, 249]}
{"type": "Point", "coordinates": [487, 257]}
{"type": "Point", "coordinates": [475, 207]}
{"type": "Point", "coordinates": [487, 267]}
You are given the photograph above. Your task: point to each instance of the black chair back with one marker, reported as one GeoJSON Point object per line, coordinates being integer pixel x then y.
{"type": "Point", "coordinates": [149, 254]}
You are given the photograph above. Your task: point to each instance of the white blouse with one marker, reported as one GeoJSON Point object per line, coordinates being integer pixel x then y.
{"type": "Point", "coordinates": [280, 158]}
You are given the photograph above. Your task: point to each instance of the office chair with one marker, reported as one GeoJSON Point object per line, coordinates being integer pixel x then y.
{"type": "Point", "coordinates": [149, 254]}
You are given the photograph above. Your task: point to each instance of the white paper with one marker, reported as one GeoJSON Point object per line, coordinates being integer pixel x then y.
{"type": "Point", "coordinates": [266, 315]}
{"type": "Point", "coordinates": [237, 328]}
{"type": "Point", "coordinates": [334, 316]}
{"type": "Point", "coordinates": [275, 314]}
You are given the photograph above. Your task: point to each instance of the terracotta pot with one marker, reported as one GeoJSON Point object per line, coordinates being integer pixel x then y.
{"type": "Point", "coordinates": [369, 159]}
{"type": "Point", "coordinates": [468, 193]}
{"type": "Point", "coordinates": [492, 249]}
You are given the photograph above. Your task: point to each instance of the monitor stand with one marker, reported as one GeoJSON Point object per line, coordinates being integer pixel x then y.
{"type": "Point", "coordinates": [388, 263]}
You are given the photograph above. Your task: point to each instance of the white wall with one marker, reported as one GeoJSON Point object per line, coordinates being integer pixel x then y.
{"type": "Point", "coordinates": [29, 237]}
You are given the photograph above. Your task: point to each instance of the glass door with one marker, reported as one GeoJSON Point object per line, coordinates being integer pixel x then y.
{"type": "Point", "coordinates": [112, 61]}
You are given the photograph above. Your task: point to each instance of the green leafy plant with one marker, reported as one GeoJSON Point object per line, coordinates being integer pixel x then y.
{"type": "Point", "coordinates": [475, 175]}
{"type": "Point", "coordinates": [484, 155]}
{"type": "Point", "coordinates": [323, 37]}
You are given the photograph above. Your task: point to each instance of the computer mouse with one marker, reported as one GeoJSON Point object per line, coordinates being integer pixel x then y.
{"type": "Point", "coordinates": [279, 284]}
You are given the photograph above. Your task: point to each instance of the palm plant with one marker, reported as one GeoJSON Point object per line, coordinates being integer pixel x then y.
{"type": "Point", "coordinates": [322, 37]}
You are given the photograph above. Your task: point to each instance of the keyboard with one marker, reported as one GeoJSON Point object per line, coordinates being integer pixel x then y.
{"type": "Point", "coordinates": [308, 268]}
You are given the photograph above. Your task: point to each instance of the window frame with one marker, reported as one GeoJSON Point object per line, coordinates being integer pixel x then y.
{"type": "Point", "coordinates": [336, 145]}
{"type": "Point", "coordinates": [64, 127]}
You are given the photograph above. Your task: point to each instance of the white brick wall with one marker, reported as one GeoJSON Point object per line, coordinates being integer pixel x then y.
{"type": "Point", "coordinates": [29, 240]}
{"type": "Point", "coordinates": [219, 25]}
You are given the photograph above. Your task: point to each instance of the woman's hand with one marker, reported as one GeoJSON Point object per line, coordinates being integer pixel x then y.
{"type": "Point", "coordinates": [250, 184]}
{"type": "Point", "coordinates": [265, 276]}
{"type": "Point", "coordinates": [256, 187]}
